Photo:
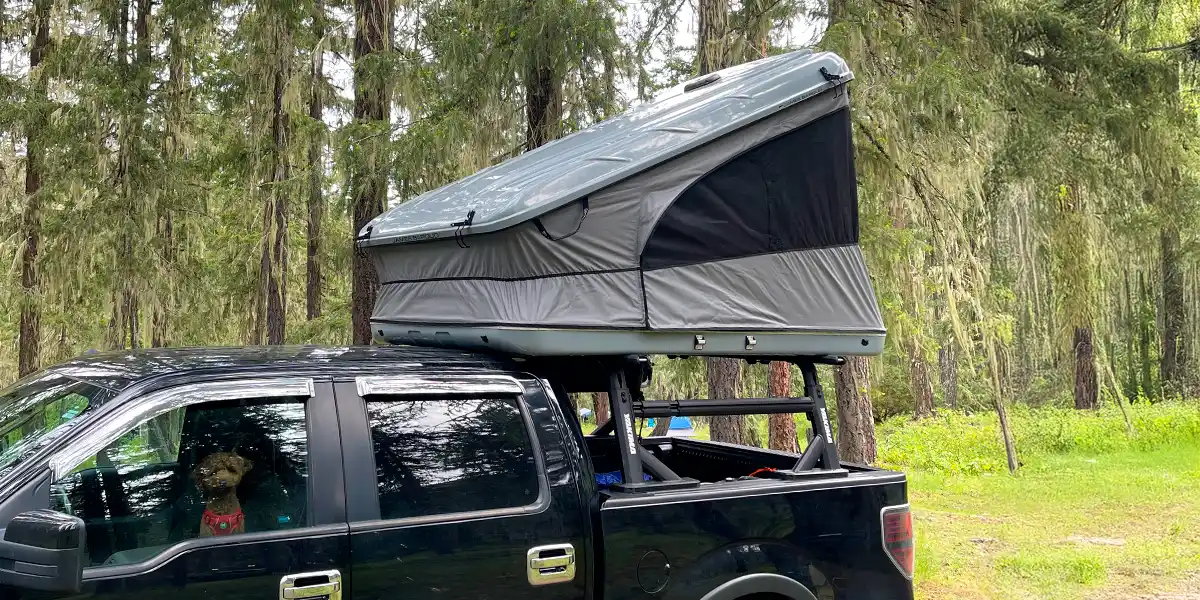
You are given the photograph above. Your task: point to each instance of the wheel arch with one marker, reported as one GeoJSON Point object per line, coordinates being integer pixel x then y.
{"type": "Point", "coordinates": [760, 584]}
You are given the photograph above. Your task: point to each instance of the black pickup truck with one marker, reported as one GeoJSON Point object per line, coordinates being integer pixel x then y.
{"type": "Point", "coordinates": [396, 472]}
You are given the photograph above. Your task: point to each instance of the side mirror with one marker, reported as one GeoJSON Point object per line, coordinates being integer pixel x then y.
{"type": "Point", "coordinates": [43, 550]}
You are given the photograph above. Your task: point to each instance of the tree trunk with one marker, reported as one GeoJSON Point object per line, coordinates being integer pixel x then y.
{"type": "Point", "coordinates": [723, 377]}
{"type": "Point", "coordinates": [781, 429]}
{"type": "Point", "coordinates": [1077, 289]}
{"type": "Point", "coordinates": [1086, 385]}
{"type": "Point", "coordinates": [712, 55]}
{"type": "Point", "coordinates": [662, 425]}
{"type": "Point", "coordinates": [275, 212]}
{"type": "Point", "coordinates": [712, 45]}
{"type": "Point", "coordinates": [28, 353]}
{"type": "Point", "coordinates": [1010, 446]}
{"type": "Point", "coordinates": [543, 102]}
{"type": "Point", "coordinates": [1144, 341]}
{"type": "Point", "coordinates": [160, 324]}
{"type": "Point", "coordinates": [998, 394]}
{"type": "Point", "coordinates": [372, 107]}
{"type": "Point", "coordinates": [1131, 328]}
{"type": "Point", "coordinates": [837, 11]}
{"type": "Point", "coordinates": [164, 226]}
{"type": "Point", "coordinates": [919, 380]}
{"type": "Point", "coordinates": [600, 401]}
{"type": "Point", "coordinates": [856, 419]}
{"type": "Point", "coordinates": [948, 372]}
{"type": "Point", "coordinates": [316, 170]}
{"type": "Point", "coordinates": [131, 324]}
{"type": "Point", "coordinates": [1174, 312]}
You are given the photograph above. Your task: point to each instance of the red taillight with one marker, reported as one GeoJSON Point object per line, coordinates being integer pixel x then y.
{"type": "Point", "coordinates": [898, 540]}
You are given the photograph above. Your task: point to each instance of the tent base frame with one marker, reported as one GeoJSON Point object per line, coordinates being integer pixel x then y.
{"type": "Point", "coordinates": [547, 342]}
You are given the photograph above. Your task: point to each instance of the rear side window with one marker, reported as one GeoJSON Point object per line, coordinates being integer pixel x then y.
{"type": "Point", "coordinates": [450, 456]}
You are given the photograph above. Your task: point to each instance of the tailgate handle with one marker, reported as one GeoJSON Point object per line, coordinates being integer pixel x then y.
{"type": "Point", "coordinates": [550, 564]}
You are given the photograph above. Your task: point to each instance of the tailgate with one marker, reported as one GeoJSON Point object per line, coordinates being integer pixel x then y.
{"type": "Point", "coordinates": [826, 534]}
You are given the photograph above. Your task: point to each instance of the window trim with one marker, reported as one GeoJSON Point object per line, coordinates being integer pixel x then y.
{"type": "Point", "coordinates": [435, 387]}
{"type": "Point", "coordinates": [113, 426]}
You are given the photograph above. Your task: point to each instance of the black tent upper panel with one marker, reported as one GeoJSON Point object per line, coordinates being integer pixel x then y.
{"type": "Point", "coordinates": [794, 192]}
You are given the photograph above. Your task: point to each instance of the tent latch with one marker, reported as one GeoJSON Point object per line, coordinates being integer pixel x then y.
{"type": "Point", "coordinates": [699, 342]}
{"type": "Point", "coordinates": [751, 342]}
{"type": "Point", "coordinates": [461, 225]}
{"type": "Point", "coordinates": [830, 76]}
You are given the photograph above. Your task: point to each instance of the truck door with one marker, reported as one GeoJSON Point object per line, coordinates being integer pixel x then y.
{"type": "Point", "coordinates": [460, 488]}
{"type": "Point", "coordinates": [134, 483]}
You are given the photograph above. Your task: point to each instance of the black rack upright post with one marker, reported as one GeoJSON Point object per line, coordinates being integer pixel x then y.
{"type": "Point", "coordinates": [621, 400]}
{"type": "Point", "coordinates": [819, 416]}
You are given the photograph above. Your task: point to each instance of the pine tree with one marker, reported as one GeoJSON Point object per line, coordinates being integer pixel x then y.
{"type": "Point", "coordinates": [369, 180]}
{"type": "Point", "coordinates": [35, 144]}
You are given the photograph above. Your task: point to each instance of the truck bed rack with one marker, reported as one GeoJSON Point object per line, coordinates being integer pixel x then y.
{"type": "Point", "coordinates": [626, 402]}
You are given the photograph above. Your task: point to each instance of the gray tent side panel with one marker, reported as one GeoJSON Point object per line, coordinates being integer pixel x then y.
{"type": "Point", "coordinates": [818, 290]}
{"type": "Point", "coordinates": [619, 220]}
{"type": "Point", "coordinates": [609, 300]}
{"type": "Point", "coordinates": [605, 242]}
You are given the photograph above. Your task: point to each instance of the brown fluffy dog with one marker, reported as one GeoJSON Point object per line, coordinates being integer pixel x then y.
{"type": "Point", "coordinates": [217, 476]}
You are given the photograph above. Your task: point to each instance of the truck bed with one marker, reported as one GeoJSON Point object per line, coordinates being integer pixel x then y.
{"type": "Point", "coordinates": [704, 461]}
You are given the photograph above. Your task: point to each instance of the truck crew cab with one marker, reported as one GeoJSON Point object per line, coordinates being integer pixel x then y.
{"type": "Point", "coordinates": [447, 461]}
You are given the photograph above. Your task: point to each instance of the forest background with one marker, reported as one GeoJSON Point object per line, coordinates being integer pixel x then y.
{"type": "Point", "coordinates": [191, 172]}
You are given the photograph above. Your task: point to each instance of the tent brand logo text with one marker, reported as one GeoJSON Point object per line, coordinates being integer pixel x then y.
{"type": "Point", "coordinates": [629, 435]}
{"type": "Point", "coordinates": [417, 237]}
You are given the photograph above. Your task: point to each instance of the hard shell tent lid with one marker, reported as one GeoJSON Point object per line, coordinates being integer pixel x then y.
{"type": "Point", "coordinates": [721, 218]}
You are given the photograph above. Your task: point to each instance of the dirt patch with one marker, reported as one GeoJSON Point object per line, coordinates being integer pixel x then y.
{"type": "Point", "coordinates": [1190, 590]}
{"type": "Point", "coordinates": [1095, 541]}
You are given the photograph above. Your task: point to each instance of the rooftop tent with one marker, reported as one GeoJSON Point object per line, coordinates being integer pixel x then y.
{"type": "Point", "coordinates": [721, 218]}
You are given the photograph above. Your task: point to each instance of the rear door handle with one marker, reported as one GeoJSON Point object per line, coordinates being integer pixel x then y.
{"type": "Point", "coordinates": [323, 585]}
{"type": "Point", "coordinates": [550, 564]}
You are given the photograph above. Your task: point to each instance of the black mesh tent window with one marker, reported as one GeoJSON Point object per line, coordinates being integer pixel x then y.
{"type": "Point", "coordinates": [794, 192]}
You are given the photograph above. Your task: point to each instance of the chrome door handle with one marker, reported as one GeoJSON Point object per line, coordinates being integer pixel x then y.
{"type": "Point", "coordinates": [550, 564]}
{"type": "Point", "coordinates": [326, 585]}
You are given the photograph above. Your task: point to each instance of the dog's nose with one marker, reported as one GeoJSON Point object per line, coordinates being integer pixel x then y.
{"type": "Point", "coordinates": [222, 483]}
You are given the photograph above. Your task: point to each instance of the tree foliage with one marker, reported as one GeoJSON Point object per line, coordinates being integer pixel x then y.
{"type": "Point", "coordinates": [1027, 172]}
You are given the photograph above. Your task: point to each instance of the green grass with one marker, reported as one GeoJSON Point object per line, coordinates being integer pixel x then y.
{"type": "Point", "coordinates": [1093, 513]}
{"type": "Point", "coordinates": [971, 444]}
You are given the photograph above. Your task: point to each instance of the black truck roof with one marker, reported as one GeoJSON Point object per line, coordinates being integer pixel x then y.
{"type": "Point", "coordinates": [123, 369]}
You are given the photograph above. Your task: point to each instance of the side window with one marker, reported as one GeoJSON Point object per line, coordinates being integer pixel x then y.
{"type": "Point", "coordinates": [450, 456]}
{"type": "Point", "coordinates": [211, 469]}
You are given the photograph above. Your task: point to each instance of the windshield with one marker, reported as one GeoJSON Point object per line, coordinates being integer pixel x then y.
{"type": "Point", "coordinates": [37, 410]}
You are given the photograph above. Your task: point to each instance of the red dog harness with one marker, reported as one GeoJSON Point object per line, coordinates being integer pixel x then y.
{"type": "Point", "coordinates": [222, 524]}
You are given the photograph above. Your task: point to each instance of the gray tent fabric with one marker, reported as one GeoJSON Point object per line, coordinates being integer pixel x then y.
{"type": "Point", "coordinates": [833, 295]}
{"type": "Point", "coordinates": [591, 300]}
{"type": "Point", "coordinates": [762, 239]}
